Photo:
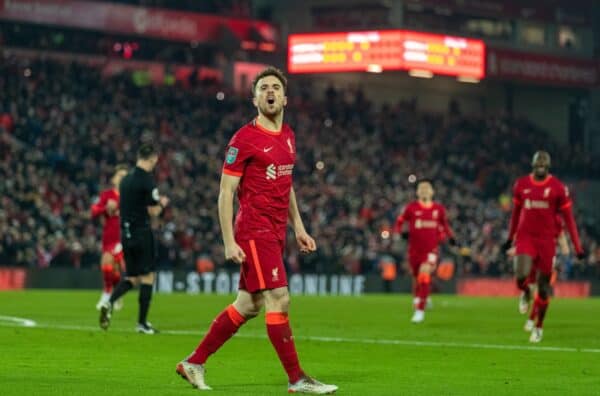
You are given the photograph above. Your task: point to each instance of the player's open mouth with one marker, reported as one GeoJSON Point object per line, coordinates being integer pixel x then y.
{"type": "Point", "coordinates": [271, 101]}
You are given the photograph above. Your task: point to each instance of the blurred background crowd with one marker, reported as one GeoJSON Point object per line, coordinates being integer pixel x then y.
{"type": "Point", "coordinates": [64, 126]}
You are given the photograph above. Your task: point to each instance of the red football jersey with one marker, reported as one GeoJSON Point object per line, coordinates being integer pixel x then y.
{"type": "Point", "coordinates": [540, 203]}
{"type": "Point", "coordinates": [264, 160]}
{"type": "Point", "coordinates": [428, 226]}
{"type": "Point", "coordinates": [111, 232]}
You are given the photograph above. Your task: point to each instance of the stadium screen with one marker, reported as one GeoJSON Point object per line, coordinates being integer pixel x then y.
{"type": "Point", "coordinates": [376, 51]}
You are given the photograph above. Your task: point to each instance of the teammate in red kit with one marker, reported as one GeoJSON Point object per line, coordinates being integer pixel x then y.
{"type": "Point", "coordinates": [111, 262]}
{"type": "Point", "coordinates": [258, 165]}
{"type": "Point", "coordinates": [538, 198]}
{"type": "Point", "coordinates": [428, 226]}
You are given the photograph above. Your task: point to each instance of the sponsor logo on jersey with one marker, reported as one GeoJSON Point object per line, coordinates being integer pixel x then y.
{"type": "Point", "coordinates": [232, 154]}
{"type": "Point", "coordinates": [425, 224]}
{"type": "Point", "coordinates": [536, 204]}
{"type": "Point", "coordinates": [271, 172]}
{"type": "Point", "coordinates": [267, 149]}
{"type": "Point", "coordinates": [275, 171]}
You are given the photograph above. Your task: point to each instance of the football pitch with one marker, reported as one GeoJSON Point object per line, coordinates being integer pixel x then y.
{"type": "Point", "coordinates": [365, 345]}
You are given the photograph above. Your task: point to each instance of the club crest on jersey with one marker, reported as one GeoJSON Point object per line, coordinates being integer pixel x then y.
{"type": "Point", "coordinates": [232, 154]}
{"type": "Point", "coordinates": [289, 142]}
{"type": "Point", "coordinates": [435, 214]}
{"type": "Point", "coordinates": [546, 192]}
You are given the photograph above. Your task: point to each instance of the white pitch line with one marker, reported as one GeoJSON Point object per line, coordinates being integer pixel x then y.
{"type": "Point", "coordinates": [18, 321]}
{"type": "Point", "coordinates": [377, 341]}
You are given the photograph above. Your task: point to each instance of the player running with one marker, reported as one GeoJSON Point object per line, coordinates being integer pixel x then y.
{"type": "Point", "coordinates": [258, 166]}
{"type": "Point", "coordinates": [111, 262]}
{"type": "Point", "coordinates": [538, 198]}
{"type": "Point", "coordinates": [428, 226]}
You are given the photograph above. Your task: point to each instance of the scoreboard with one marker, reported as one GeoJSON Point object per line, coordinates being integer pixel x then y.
{"type": "Point", "coordinates": [376, 51]}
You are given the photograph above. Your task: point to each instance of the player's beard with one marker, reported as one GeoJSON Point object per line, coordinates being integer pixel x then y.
{"type": "Point", "coordinates": [270, 111]}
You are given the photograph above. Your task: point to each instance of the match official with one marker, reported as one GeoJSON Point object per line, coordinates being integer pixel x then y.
{"type": "Point", "coordinates": [139, 199]}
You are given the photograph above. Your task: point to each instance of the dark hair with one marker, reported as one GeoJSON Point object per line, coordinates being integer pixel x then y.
{"type": "Point", "coordinates": [270, 71]}
{"type": "Point", "coordinates": [146, 151]}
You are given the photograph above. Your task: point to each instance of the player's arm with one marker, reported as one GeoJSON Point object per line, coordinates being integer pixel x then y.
{"type": "Point", "coordinates": [567, 211]}
{"type": "Point", "coordinates": [404, 216]}
{"type": "Point", "coordinates": [514, 218]}
{"type": "Point", "coordinates": [229, 185]}
{"type": "Point", "coordinates": [99, 207]}
{"type": "Point", "coordinates": [447, 230]}
{"type": "Point", "coordinates": [305, 242]}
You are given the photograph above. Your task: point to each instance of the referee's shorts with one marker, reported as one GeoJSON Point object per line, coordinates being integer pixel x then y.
{"type": "Point", "coordinates": [140, 252]}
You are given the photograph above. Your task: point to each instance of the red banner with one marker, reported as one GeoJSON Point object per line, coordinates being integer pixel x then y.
{"type": "Point", "coordinates": [116, 18]}
{"type": "Point", "coordinates": [491, 287]}
{"type": "Point", "coordinates": [544, 69]}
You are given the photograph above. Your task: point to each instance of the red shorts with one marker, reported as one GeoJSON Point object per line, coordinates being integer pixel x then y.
{"type": "Point", "coordinates": [541, 251]}
{"type": "Point", "coordinates": [263, 268]}
{"type": "Point", "coordinates": [419, 258]}
{"type": "Point", "coordinates": [115, 250]}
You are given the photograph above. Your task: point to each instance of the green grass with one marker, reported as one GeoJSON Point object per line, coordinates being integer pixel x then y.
{"type": "Point", "coordinates": [460, 351]}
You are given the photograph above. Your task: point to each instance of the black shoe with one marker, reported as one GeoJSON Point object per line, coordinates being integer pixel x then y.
{"type": "Point", "coordinates": [105, 311]}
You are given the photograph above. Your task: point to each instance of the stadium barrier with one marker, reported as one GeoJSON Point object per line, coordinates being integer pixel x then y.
{"type": "Point", "coordinates": [494, 287]}
{"type": "Point", "coordinates": [225, 282]}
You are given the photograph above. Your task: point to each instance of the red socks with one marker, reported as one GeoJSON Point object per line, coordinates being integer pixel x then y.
{"type": "Point", "coordinates": [423, 287]}
{"type": "Point", "coordinates": [540, 305]}
{"type": "Point", "coordinates": [280, 334]}
{"type": "Point", "coordinates": [107, 277]}
{"type": "Point", "coordinates": [225, 325]}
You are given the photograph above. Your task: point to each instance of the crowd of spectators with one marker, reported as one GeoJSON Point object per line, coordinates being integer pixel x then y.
{"type": "Point", "coordinates": [64, 127]}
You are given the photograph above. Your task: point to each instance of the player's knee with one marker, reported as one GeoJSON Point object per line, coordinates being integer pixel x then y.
{"type": "Point", "coordinates": [544, 287]}
{"type": "Point", "coordinates": [278, 301]}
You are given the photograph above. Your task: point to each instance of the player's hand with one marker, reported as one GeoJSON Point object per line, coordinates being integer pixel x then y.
{"type": "Point", "coordinates": [164, 201]}
{"type": "Point", "coordinates": [235, 253]}
{"type": "Point", "coordinates": [111, 206]}
{"type": "Point", "coordinates": [405, 235]}
{"type": "Point", "coordinates": [507, 245]}
{"type": "Point", "coordinates": [305, 242]}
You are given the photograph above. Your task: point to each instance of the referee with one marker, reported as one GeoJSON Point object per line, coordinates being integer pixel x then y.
{"type": "Point", "coordinates": [139, 199]}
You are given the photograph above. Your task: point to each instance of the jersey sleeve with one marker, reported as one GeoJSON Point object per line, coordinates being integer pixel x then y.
{"type": "Point", "coordinates": [99, 207]}
{"type": "Point", "coordinates": [565, 205]}
{"type": "Point", "coordinates": [237, 155]}
{"type": "Point", "coordinates": [564, 197]}
{"type": "Point", "coordinates": [151, 194]}
{"type": "Point", "coordinates": [445, 224]}
{"type": "Point", "coordinates": [404, 216]}
{"type": "Point", "coordinates": [516, 212]}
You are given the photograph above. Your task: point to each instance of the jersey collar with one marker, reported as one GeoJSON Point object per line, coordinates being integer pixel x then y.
{"type": "Point", "coordinates": [265, 130]}
{"type": "Point", "coordinates": [539, 183]}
